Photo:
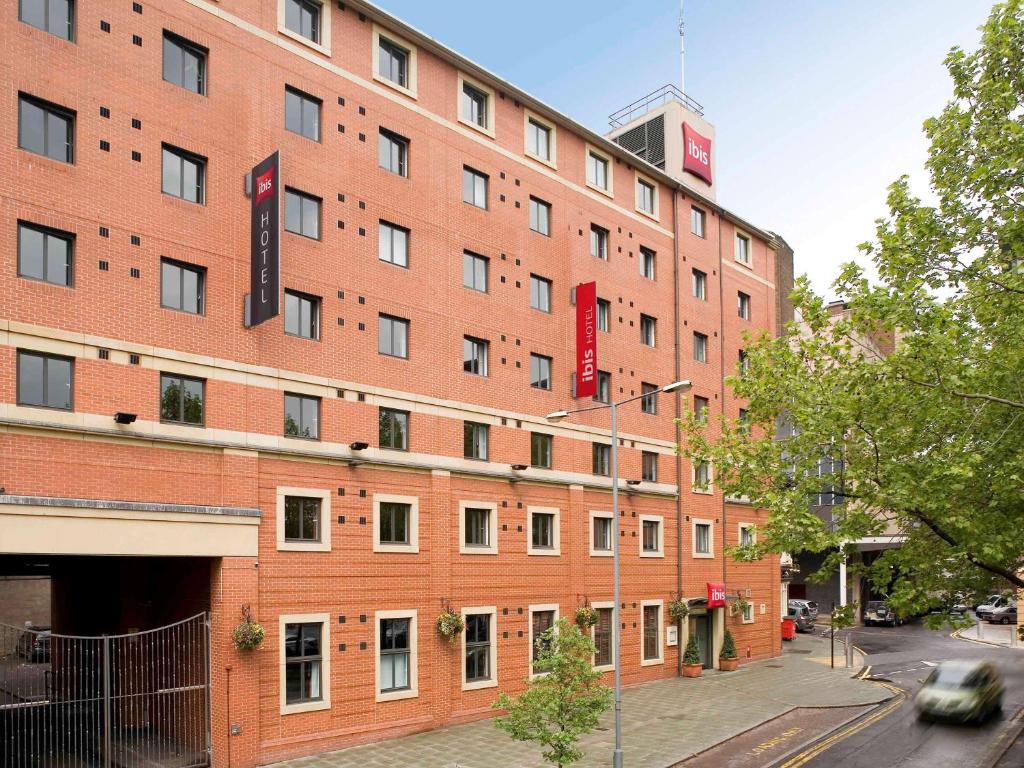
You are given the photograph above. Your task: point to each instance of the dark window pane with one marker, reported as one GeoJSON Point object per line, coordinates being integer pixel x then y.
{"type": "Point", "coordinates": [32, 128]}
{"type": "Point", "coordinates": [58, 383]}
{"type": "Point", "coordinates": [30, 379]}
{"type": "Point", "coordinates": [31, 243]}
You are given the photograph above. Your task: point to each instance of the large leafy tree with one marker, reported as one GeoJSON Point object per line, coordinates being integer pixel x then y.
{"type": "Point", "coordinates": [929, 437]}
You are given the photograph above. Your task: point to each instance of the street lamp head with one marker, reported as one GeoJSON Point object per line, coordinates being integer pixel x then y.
{"type": "Point", "coordinates": [678, 386]}
{"type": "Point", "coordinates": [557, 415]}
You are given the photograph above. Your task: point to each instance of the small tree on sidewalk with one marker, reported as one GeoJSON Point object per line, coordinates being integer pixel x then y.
{"type": "Point", "coordinates": [565, 699]}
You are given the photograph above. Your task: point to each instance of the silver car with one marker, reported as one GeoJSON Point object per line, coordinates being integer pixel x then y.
{"type": "Point", "coordinates": [810, 605]}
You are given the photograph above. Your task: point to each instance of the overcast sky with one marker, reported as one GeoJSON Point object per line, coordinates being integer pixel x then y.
{"type": "Point", "coordinates": [817, 104]}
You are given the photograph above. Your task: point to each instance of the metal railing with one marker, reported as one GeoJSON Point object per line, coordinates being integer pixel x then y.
{"type": "Point", "coordinates": [651, 101]}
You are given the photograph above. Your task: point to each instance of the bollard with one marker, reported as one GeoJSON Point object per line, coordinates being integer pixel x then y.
{"type": "Point", "coordinates": [849, 652]}
{"type": "Point", "coordinates": [978, 629]}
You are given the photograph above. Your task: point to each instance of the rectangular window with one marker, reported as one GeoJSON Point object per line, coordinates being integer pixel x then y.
{"type": "Point", "coordinates": [301, 214]}
{"type": "Point", "coordinates": [650, 467]}
{"type": "Point", "coordinates": [697, 221]}
{"type": "Point", "coordinates": [538, 140]}
{"type": "Point", "coordinates": [700, 285]}
{"type": "Point", "coordinates": [474, 355]}
{"type": "Point", "coordinates": [54, 16]}
{"type": "Point", "coordinates": [649, 403]}
{"type": "Point", "coordinates": [474, 271]}
{"type": "Point", "coordinates": [744, 421]}
{"type": "Point", "coordinates": [542, 530]}
{"type": "Point", "coordinates": [702, 538]}
{"type": "Point", "coordinates": [700, 408]}
{"type": "Point", "coordinates": [394, 522]}
{"type": "Point", "coordinates": [701, 476]}
{"type": "Point", "coordinates": [46, 129]}
{"type": "Point", "coordinates": [651, 536]}
{"type": "Point", "coordinates": [181, 399]}
{"type": "Point", "coordinates": [301, 416]}
{"type": "Point", "coordinates": [184, 175]}
{"type": "Point", "coordinates": [393, 62]}
{"type": "Point", "coordinates": [645, 196]}
{"type": "Point", "coordinates": [604, 315]}
{"type": "Point", "coordinates": [395, 655]}
{"type": "Point", "coordinates": [540, 293]}
{"type": "Point", "coordinates": [45, 254]}
{"type": "Point", "coordinates": [602, 534]}
{"type": "Point", "coordinates": [603, 637]}
{"type": "Point", "coordinates": [540, 216]}
{"type": "Point", "coordinates": [602, 459]}
{"type": "Point", "coordinates": [540, 450]}
{"type": "Point", "coordinates": [743, 362]}
{"type": "Point", "coordinates": [647, 263]}
{"type": "Point", "coordinates": [599, 242]}
{"type": "Point", "coordinates": [474, 187]}
{"type": "Point", "coordinates": [394, 429]}
{"type": "Point", "coordinates": [182, 286]}
{"type": "Point", "coordinates": [475, 105]}
{"type": "Point", "coordinates": [393, 244]}
{"type": "Point", "coordinates": [301, 518]}
{"type": "Point", "coordinates": [597, 171]}
{"type": "Point", "coordinates": [184, 63]}
{"type": "Point", "coordinates": [700, 347]}
{"type": "Point", "coordinates": [540, 371]}
{"type": "Point", "coordinates": [474, 440]}
{"type": "Point", "coordinates": [393, 152]}
{"type": "Point", "coordinates": [746, 535]}
{"type": "Point", "coordinates": [302, 644]}
{"type": "Point", "coordinates": [478, 647]}
{"type": "Point", "coordinates": [652, 632]}
{"type": "Point", "coordinates": [393, 336]}
{"type": "Point", "coordinates": [477, 527]}
{"type": "Point", "coordinates": [743, 305]}
{"type": "Point", "coordinates": [604, 387]}
{"type": "Point", "coordinates": [301, 315]}
{"type": "Point", "coordinates": [742, 249]}
{"type": "Point", "coordinates": [302, 113]}
{"type": "Point", "coordinates": [540, 622]}
{"type": "Point", "coordinates": [648, 328]}
{"type": "Point", "coordinates": [303, 18]}
{"type": "Point", "coordinates": [45, 380]}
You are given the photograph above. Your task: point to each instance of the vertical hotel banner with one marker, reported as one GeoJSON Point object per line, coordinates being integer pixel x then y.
{"type": "Point", "coordinates": [265, 256]}
{"type": "Point", "coordinates": [586, 339]}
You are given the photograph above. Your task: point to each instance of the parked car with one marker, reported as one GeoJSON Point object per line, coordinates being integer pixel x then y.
{"type": "Point", "coordinates": [801, 616]}
{"type": "Point", "coordinates": [879, 612]}
{"type": "Point", "coordinates": [986, 601]}
{"type": "Point", "coordinates": [1004, 614]}
{"type": "Point", "coordinates": [34, 644]}
{"type": "Point", "coordinates": [984, 610]}
{"type": "Point", "coordinates": [960, 690]}
{"type": "Point", "coordinates": [810, 605]}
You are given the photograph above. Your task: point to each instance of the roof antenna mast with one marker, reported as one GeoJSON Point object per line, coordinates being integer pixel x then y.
{"type": "Point", "coordinates": [682, 49]}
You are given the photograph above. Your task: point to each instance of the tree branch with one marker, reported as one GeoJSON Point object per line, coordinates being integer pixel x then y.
{"type": "Point", "coordinates": [1011, 576]}
{"type": "Point", "coordinates": [964, 395]}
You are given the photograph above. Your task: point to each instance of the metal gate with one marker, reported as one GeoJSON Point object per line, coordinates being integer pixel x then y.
{"type": "Point", "coordinates": [116, 701]}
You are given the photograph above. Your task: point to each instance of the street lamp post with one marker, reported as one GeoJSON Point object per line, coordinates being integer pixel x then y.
{"type": "Point", "coordinates": [677, 386]}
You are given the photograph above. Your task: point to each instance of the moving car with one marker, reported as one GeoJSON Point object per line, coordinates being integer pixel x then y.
{"type": "Point", "coordinates": [879, 612]}
{"type": "Point", "coordinates": [985, 609]}
{"type": "Point", "coordinates": [801, 616]}
{"type": "Point", "coordinates": [1004, 614]}
{"type": "Point", "coordinates": [810, 605]}
{"type": "Point", "coordinates": [34, 644]}
{"type": "Point", "coordinates": [966, 691]}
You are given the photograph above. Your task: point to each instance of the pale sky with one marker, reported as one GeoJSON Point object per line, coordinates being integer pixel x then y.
{"type": "Point", "coordinates": [817, 104]}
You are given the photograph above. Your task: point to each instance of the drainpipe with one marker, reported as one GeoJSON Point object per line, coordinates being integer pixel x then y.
{"type": "Point", "coordinates": [678, 375]}
{"type": "Point", "coordinates": [721, 354]}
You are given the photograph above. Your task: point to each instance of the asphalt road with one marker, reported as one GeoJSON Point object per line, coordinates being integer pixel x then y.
{"type": "Point", "coordinates": [904, 656]}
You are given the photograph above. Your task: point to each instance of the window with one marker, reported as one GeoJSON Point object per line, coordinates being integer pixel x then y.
{"type": "Point", "coordinates": [303, 662]}
{"type": "Point", "coordinates": [394, 654]}
{"type": "Point", "coordinates": [744, 421]}
{"type": "Point", "coordinates": [184, 63]}
{"type": "Point", "coordinates": [602, 459]}
{"type": "Point", "coordinates": [597, 171]}
{"type": "Point", "coordinates": [649, 467]}
{"type": "Point", "coordinates": [647, 263]}
{"type": "Point", "coordinates": [478, 523]}
{"type": "Point", "coordinates": [542, 619]}
{"type": "Point", "coordinates": [301, 315]}
{"type": "Point", "coordinates": [478, 648]}
{"type": "Point", "coordinates": [474, 271]}
{"type": "Point", "coordinates": [747, 617]}
{"type": "Point", "coordinates": [600, 533]}
{"type": "Point", "coordinates": [393, 244]}
{"type": "Point", "coordinates": [301, 416]}
{"type": "Point", "coordinates": [700, 408]}
{"type": "Point", "coordinates": [183, 175]}
{"type": "Point", "coordinates": [747, 537]}
{"type": "Point", "coordinates": [697, 221]}
{"type": "Point", "coordinates": [539, 140]}
{"type": "Point", "coordinates": [54, 16]}
{"type": "Point", "coordinates": [302, 214]}
{"type": "Point", "coordinates": [474, 187]}
{"type": "Point", "coordinates": [302, 113]}
{"type": "Point", "coordinates": [599, 242]}
{"type": "Point", "coordinates": [700, 285]}
{"type": "Point", "coordinates": [604, 387]}
{"type": "Point", "coordinates": [303, 18]}
{"type": "Point", "coordinates": [540, 450]}
{"type": "Point", "coordinates": [742, 249]}
{"type": "Point", "coordinates": [604, 315]}
{"type": "Point", "coordinates": [393, 152]}
{"type": "Point", "coordinates": [474, 440]}
{"type": "Point", "coordinates": [46, 129]}
{"type": "Point", "coordinates": [743, 362]}
{"type": "Point", "coordinates": [648, 325]}
{"type": "Point", "coordinates": [393, 62]}
{"type": "Point", "coordinates": [645, 197]}
{"type": "Point", "coordinates": [393, 523]}
{"type": "Point", "coordinates": [474, 355]}
{"type": "Point", "coordinates": [604, 657]}
{"type": "Point", "coordinates": [540, 293]}
{"type": "Point", "coordinates": [649, 403]}
{"type": "Point", "coordinates": [701, 477]}
{"type": "Point", "coordinates": [540, 371]}
{"type": "Point", "coordinates": [45, 254]}
{"type": "Point", "coordinates": [393, 336]}
{"type": "Point", "coordinates": [45, 381]}
{"type": "Point", "coordinates": [475, 106]}
{"type": "Point", "coordinates": [544, 530]}
{"type": "Point", "coordinates": [700, 347]}
{"type": "Point", "coordinates": [650, 623]}
{"type": "Point", "coordinates": [651, 544]}
{"type": "Point", "coordinates": [743, 305]}
{"type": "Point", "coordinates": [301, 518]}
{"type": "Point", "coordinates": [181, 399]}
{"type": "Point", "coordinates": [540, 216]}
{"type": "Point", "coordinates": [702, 538]}
{"type": "Point", "coordinates": [182, 286]}
{"type": "Point", "coordinates": [394, 429]}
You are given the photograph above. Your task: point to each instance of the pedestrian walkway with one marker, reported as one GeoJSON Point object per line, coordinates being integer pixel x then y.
{"type": "Point", "coordinates": [663, 722]}
{"type": "Point", "coordinates": [992, 634]}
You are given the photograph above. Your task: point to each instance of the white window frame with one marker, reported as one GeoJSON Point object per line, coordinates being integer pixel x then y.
{"type": "Point", "coordinates": [414, 523]}
{"type": "Point", "coordinates": [711, 538]}
{"type": "Point", "coordinates": [324, 545]}
{"type": "Point", "coordinates": [413, 691]}
{"type": "Point", "coordinates": [410, 65]}
{"type": "Point", "coordinates": [324, 46]}
{"type": "Point", "coordinates": [529, 655]}
{"type": "Point", "coordinates": [750, 610]}
{"type": "Point", "coordinates": [601, 552]}
{"type": "Point", "coordinates": [746, 527]}
{"type": "Point", "coordinates": [638, 177]}
{"type": "Point", "coordinates": [551, 161]}
{"type": "Point", "coordinates": [661, 632]}
{"type": "Point", "coordinates": [493, 525]}
{"type": "Point", "coordinates": [492, 661]}
{"type": "Point", "coordinates": [615, 632]}
{"type": "Point", "coordinates": [740, 234]}
{"type": "Point", "coordinates": [707, 490]}
{"type": "Point", "coordinates": [660, 552]}
{"type": "Point", "coordinates": [587, 150]}
{"type": "Point", "coordinates": [556, 538]}
{"type": "Point", "coordinates": [487, 130]}
{"type": "Point", "coordinates": [324, 619]}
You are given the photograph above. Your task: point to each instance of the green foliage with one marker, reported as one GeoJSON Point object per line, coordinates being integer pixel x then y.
{"type": "Point", "coordinates": [450, 624]}
{"type": "Point", "coordinates": [911, 402]}
{"type": "Point", "coordinates": [728, 646]}
{"type": "Point", "coordinates": [564, 702]}
{"type": "Point", "coordinates": [678, 609]}
{"type": "Point", "coordinates": [586, 616]}
{"type": "Point", "coordinates": [692, 653]}
{"type": "Point", "coordinates": [844, 616]}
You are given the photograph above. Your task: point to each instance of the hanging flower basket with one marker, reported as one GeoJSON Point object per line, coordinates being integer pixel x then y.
{"type": "Point", "coordinates": [586, 616]}
{"type": "Point", "coordinates": [678, 609]}
{"type": "Point", "coordinates": [739, 607]}
{"type": "Point", "coordinates": [450, 624]}
{"type": "Point", "coordinates": [248, 635]}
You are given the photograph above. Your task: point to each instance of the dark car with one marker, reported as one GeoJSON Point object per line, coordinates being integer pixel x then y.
{"type": "Point", "coordinates": [34, 644]}
{"type": "Point", "coordinates": [878, 612]}
{"type": "Point", "coordinates": [801, 616]}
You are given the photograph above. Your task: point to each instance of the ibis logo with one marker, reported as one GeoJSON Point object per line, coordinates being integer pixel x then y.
{"type": "Point", "coordinates": [696, 154]}
{"type": "Point", "coordinates": [264, 185]}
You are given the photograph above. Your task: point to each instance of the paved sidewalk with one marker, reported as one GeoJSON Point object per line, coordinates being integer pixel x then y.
{"type": "Point", "coordinates": [992, 634]}
{"type": "Point", "coordinates": [662, 722]}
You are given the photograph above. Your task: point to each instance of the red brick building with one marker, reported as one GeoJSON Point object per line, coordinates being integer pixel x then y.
{"type": "Point", "coordinates": [378, 451]}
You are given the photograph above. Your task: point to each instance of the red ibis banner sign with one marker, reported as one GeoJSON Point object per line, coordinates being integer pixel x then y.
{"type": "Point", "coordinates": [716, 595]}
{"type": "Point", "coordinates": [586, 339]}
{"type": "Point", "coordinates": [264, 253]}
{"type": "Point", "coordinates": [696, 154]}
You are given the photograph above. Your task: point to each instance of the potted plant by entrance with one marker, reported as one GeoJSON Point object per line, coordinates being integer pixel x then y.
{"type": "Point", "coordinates": [727, 659]}
{"type": "Point", "coordinates": [692, 665]}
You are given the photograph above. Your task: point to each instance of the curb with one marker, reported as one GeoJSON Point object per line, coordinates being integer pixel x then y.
{"type": "Point", "coordinates": [689, 757]}
{"type": "Point", "coordinates": [1012, 733]}
{"type": "Point", "coordinates": [958, 635]}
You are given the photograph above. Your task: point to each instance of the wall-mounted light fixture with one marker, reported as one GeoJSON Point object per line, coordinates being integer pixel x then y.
{"type": "Point", "coordinates": [124, 418]}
